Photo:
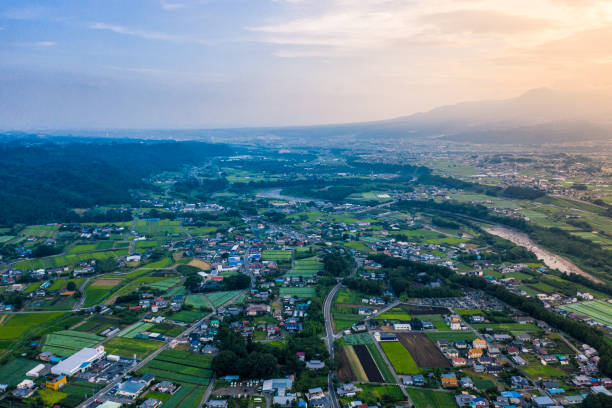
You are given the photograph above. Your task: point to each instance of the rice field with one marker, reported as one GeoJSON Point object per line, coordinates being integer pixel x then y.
{"type": "Point", "coordinates": [597, 310]}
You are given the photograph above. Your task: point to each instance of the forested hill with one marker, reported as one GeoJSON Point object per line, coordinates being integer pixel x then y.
{"type": "Point", "coordinates": [42, 181]}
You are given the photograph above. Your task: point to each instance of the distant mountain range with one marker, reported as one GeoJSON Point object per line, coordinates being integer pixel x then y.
{"type": "Point", "coordinates": [539, 116]}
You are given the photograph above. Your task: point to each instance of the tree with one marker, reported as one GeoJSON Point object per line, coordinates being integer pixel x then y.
{"type": "Point", "coordinates": [71, 286]}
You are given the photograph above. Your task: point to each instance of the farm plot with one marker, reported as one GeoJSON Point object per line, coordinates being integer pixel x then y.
{"type": "Point", "coordinates": [129, 348]}
{"type": "Point", "coordinates": [355, 364]}
{"type": "Point", "coordinates": [186, 316]}
{"type": "Point", "coordinates": [400, 358]}
{"type": "Point", "coordinates": [181, 366]}
{"type": "Point", "coordinates": [382, 365]}
{"type": "Point", "coordinates": [219, 298]}
{"type": "Point", "coordinates": [186, 396]}
{"type": "Point", "coordinates": [13, 372]}
{"type": "Point", "coordinates": [597, 310]}
{"type": "Point", "coordinates": [135, 329]}
{"type": "Point", "coordinates": [425, 353]}
{"type": "Point", "coordinates": [276, 255]}
{"type": "Point", "coordinates": [305, 268]}
{"type": "Point", "coordinates": [396, 313]}
{"type": "Point", "coordinates": [196, 301]}
{"type": "Point", "coordinates": [368, 363]}
{"type": "Point", "coordinates": [431, 399]}
{"type": "Point", "coordinates": [13, 326]}
{"type": "Point", "coordinates": [345, 370]}
{"type": "Point", "coordinates": [78, 391]}
{"type": "Point", "coordinates": [305, 292]}
{"type": "Point", "coordinates": [164, 284]}
{"type": "Point", "coordinates": [67, 342]}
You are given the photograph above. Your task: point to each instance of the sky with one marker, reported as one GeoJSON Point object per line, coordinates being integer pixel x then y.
{"type": "Point", "coordinates": [98, 64]}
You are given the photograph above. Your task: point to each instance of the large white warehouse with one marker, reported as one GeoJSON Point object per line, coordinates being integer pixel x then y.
{"type": "Point", "coordinates": [79, 361]}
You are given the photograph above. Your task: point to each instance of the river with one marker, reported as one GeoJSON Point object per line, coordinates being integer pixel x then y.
{"type": "Point", "coordinates": [551, 260]}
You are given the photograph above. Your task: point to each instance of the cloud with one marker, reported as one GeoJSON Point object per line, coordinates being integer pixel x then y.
{"type": "Point", "coordinates": [485, 22]}
{"type": "Point", "coordinates": [45, 44]}
{"type": "Point", "coordinates": [149, 35]}
{"type": "Point", "coordinates": [172, 6]}
{"type": "Point", "coordinates": [24, 13]}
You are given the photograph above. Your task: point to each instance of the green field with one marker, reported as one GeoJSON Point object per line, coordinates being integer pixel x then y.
{"type": "Point", "coordinates": [397, 313]}
{"type": "Point", "coordinates": [137, 328]}
{"type": "Point", "coordinates": [597, 310]}
{"type": "Point", "coordinates": [372, 394]}
{"type": "Point", "coordinates": [304, 292]}
{"type": "Point", "coordinates": [66, 260]}
{"type": "Point", "coordinates": [14, 371]}
{"type": "Point", "coordinates": [196, 301]}
{"type": "Point", "coordinates": [431, 399]}
{"type": "Point", "coordinates": [507, 326]}
{"type": "Point", "coordinates": [276, 255]}
{"type": "Point", "coordinates": [360, 338]}
{"type": "Point", "coordinates": [125, 347]}
{"type": "Point", "coordinates": [59, 284]}
{"type": "Point", "coordinates": [219, 298]}
{"type": "Point", "coordinates": [186, 316]}
{"type": "Point", "coordinates": [400, 358]}
{"type": "Point", "coordinates": [14, 326]}
{"type": "Point", "coordinates": [305, 268]}
{"type": "Point", "coordinates": [67, 342]}
{"type": "Point", "coordinates": [543, 371]}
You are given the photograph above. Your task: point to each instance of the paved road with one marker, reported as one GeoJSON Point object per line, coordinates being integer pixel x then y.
{"type": "Point", "coordinates": [78, 305]}
{"type": "Point", "coordinates": [209, 390]}
{"type": "Point", "coordinates": [329, 338]}
{"type": "Point", "coordinates": [142, 363]}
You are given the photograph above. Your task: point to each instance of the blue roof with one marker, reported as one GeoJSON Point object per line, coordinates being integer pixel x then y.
{"type": "Point", "coordinates": [511, 394]}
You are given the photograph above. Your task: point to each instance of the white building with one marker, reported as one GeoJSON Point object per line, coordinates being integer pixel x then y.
{"type": "Point", "coordinates": [402, 326]}
{"type": "Point", "coordinates": [35, 372]}
{"type": "Point", "coordinates": [79, 361]}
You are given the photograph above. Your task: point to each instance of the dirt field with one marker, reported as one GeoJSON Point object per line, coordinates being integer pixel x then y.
{"type": "Point", "coordinates": [344, 370]}
{"type": "Point", "coordinates": [422, 349]}
{"type": "Point", "coordinates": [198, 263]}
{"type": "Point", "coordinates": [368, 364]}
{"type": "Point", "coordinates": [355, 365]}
{"type": "Point", "coordinates": [106, 282]}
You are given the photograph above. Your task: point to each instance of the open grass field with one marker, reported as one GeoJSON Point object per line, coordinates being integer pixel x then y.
{"type": "Point", "coordinates": [219, 298]}
{"type": "Point", "coordinates": [423, 350]}
{"type": "Point", "coordinates": [543, 371]}
{"type": "Point", "coordinates": [13, 326]}
{"type": "Point", "coordinates": [276, 255]}
{"type": "Point", "coordinates": [597, 310]}
{"type": "Point", "coordinates": [125, 347]}
{"type": "Point", "coordinates": [186, 316]}
{"type": "Point", "coordinates": [168, 329]}
{"type": "Point", "coordinates": [14, 371]}
{"type": "Point", "coordinates": [431, 399]}
{"type": "Point", "coordinates": [67, 342]}
{"type": "Point", "coordinates": [304, 292]}
{"type": "Point", "coordinates": [343, 321]}
{"type": "Point", "coordinates": [96, 293]}
{"type": "Point", "coordinates": [400, 358]}
{"type": "Point", "coordinates": [396, 313]}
